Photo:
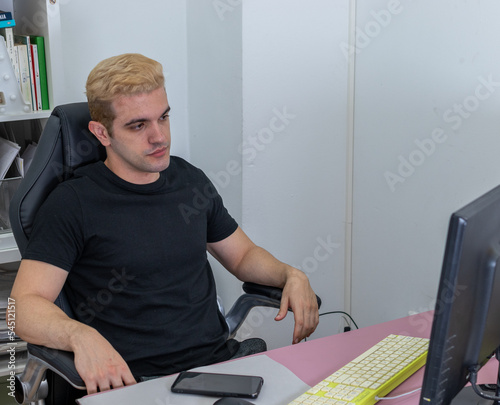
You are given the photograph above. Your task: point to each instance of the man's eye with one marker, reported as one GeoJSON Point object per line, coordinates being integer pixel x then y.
{"type": "Point", "coordinates": [165, 117]}
{"type": "Point", "coordinates": [138, 126]}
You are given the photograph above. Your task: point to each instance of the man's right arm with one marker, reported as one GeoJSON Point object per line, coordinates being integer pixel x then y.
{"type": "Point", "coordinates": [40, 321]}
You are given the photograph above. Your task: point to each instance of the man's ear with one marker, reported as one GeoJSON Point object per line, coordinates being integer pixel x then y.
{"type": "Point", "coordinates": [100, 132]}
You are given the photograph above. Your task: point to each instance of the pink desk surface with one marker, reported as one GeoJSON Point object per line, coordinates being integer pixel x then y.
{"type": "Point", "coordinates": [315, 360]}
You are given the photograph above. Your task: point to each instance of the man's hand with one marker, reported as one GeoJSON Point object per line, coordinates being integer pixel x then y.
{"type": "Point", "coordinates": [301, 299]}
{"type": "Point", "coordinates": [100, 366]}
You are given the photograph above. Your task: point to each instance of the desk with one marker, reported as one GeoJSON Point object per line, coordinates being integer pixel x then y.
{"type": "Point", "coordinates": [289, 371]}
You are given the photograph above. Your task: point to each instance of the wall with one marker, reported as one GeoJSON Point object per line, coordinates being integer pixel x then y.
{"type": "Point", "coordinates": [294, 137]}
{"type": "Point", "coordinates": [214, 97]}
{"type": "Point", "coordinates": [268, 143]}
{"type": "Point", "coordinates": [215, 111]}
{"type": "Point", "coordinates": [426, 142]}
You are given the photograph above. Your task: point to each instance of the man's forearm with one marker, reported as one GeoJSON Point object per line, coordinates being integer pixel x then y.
{"type": "Point", "coordinates": [261, 267]}
{"type": "Point", "coordinates": [41, 322]}
{"type": "Point", "coordinates": [249, 262]}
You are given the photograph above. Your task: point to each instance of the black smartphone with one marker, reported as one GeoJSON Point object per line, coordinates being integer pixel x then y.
{"type": "Point", "coordinates": [218, 385]}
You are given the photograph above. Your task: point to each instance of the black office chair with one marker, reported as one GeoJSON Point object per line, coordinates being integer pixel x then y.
{"type": "Point", "coordinates": [65, 144]}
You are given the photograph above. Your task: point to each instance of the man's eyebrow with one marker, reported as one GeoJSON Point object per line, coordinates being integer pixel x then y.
{"type": "Point", "coordinates": [137, 120]}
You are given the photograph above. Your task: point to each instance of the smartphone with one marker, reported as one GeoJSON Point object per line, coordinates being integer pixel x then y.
{"type": "Point", "coordinates": [218, 385]}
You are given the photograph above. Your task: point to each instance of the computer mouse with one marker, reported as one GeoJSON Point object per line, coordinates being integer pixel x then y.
{"type": "Point", "coordinates": [232, 401]}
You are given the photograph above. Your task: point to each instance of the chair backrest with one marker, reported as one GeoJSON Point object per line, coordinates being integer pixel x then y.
{"type": "Point", "coordinates": [65, 144]}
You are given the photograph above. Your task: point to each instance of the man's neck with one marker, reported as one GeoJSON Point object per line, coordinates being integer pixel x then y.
{"type": "Point", "coordinates": [131, 176]}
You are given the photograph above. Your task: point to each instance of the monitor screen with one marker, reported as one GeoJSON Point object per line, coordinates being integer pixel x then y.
{"type": "Point", "coordinates": [466, 325]}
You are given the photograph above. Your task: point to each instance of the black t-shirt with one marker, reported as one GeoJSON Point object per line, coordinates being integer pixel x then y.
{"type": "Point", "coordinates": [137, 262]}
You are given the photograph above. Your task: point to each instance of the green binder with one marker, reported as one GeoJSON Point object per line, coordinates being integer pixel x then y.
{"type": "Point", "coordinates": [44, 89]}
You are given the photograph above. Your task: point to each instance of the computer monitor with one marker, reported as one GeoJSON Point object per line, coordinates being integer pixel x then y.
{"type": "Point", "coordinates": [466, 325]}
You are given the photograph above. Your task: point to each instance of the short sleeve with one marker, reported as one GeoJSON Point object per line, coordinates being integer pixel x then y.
{"type": "Point", "coordinates": [220, 223]}
{"type": "Point", "coordinates": [57, 237]}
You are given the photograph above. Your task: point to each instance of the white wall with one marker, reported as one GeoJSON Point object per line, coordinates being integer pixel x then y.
{"type": "Point", "coordinates": [214, 97]}
{"type": "Point", "coordinates": [295, 123]}
{"type": "Point", "coordinates": [289, 147]}
{"type": "Point", "coordinates": [419, 75]}
{"type": "Point", "coordinates": [215, 110]}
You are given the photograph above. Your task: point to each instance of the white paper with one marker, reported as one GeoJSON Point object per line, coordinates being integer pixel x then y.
{"type": "Point", "coordinates": [8, 153]}
{"type": "Point", "coordinates": [28, 156]}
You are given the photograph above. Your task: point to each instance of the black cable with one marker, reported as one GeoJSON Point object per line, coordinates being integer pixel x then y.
{"type": "Point", "coordinates": [343, 313]}
{"type": "Point", "coordinates": [473, 379]}
{"type": "Point", "coordinates": [338, 312]}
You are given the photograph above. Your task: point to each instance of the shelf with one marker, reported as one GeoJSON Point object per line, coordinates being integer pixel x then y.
{"type": "Point", "coordinates": [8, 249]}
{"type": "Point", "coordinates": [26, 116]}
{"type": "Point", "coordinates": [41, 18]}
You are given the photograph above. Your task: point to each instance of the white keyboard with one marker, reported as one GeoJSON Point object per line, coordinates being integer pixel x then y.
{"type": "Point", "coordinates": [371, 375]}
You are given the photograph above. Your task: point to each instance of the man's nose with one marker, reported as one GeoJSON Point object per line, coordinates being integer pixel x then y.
{"type": "Point", "coordinates": [158, 134]}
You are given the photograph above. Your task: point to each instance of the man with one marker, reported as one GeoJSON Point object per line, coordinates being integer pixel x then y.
{"type": "Point", "coordinates": [133, 266]}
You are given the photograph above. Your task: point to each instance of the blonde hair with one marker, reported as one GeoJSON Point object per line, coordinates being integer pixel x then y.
{"type": "Point", "coordinates": [121, 75]}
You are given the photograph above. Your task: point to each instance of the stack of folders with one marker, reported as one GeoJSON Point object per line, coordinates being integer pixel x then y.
{"type": "Point", "coordinates": [27, 56]}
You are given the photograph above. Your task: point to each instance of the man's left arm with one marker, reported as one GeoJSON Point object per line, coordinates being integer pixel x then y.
{"type": "Point", "coordinates": [251, 263]}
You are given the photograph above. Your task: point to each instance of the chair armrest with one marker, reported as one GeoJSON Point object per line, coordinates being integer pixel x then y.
{"type": "Point", "coordinates": [31, 385]}
{"type": "Point", "coordinates": [270, 292]}
{"type": "Point", "coordinates": [256, 295]}
{"type": "Point", "coordinates": [264, 290]}
{"type": "Point", "coordinates": [59, 361]}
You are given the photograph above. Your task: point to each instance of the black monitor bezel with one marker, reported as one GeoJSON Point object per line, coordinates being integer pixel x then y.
{"type": "Point", "coordinates": [462, 333]}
